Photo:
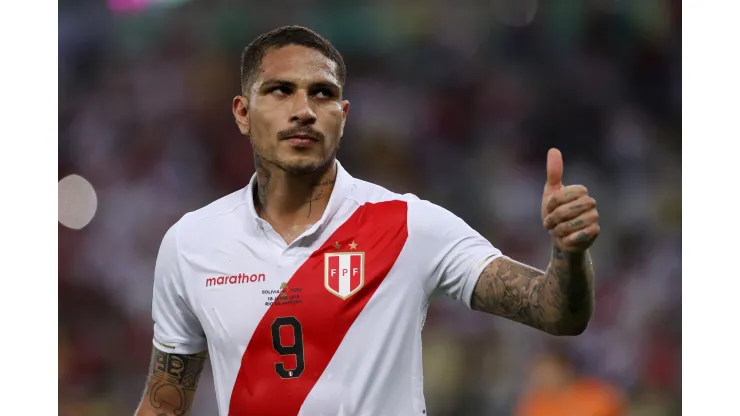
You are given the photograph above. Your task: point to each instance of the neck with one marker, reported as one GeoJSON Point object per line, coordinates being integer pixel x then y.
{"type": "Point", "coordinates": [285, 197]}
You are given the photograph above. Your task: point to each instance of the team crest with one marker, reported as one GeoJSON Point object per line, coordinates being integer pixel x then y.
{"type": "Point", "coordinates": [344, 273]}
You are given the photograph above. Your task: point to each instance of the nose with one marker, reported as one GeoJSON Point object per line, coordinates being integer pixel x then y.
{"type": "Point", "coordinates": [302, 112]}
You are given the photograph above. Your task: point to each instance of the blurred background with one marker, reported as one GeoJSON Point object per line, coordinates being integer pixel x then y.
{"type": "Point", "coordinates": [456, 101]}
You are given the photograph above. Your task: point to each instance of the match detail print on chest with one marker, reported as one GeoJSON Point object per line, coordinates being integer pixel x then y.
{"type": "Point", "coordinates": [342, 271]}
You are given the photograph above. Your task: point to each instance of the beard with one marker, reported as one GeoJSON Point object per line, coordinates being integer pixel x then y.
{"type": "Point", "coordinates": [298, 167]}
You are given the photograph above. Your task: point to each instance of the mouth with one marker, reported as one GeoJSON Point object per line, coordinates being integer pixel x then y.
{"type": "Point", "coordinates": [301, 140]}
{"type": "Point", "coordinates": [303, 137]}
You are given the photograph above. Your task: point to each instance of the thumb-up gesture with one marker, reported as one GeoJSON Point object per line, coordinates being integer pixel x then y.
{"type": "Point", "coordinates": [568, 212]}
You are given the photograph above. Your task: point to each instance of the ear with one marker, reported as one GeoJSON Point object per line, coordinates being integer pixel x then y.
{"type": "Point", "coordinates": [240, 109]}
{"type": "Point", "coordinates": [345, 112]}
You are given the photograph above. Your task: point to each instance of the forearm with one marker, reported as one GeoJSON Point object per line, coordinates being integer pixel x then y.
{"type": "Point", "coordinates": [160, 400]}
{"type": "Point", "coordinates": [569, 290]}
{"type": "Point", "coordinates": [171, 384]}
{"type": "Point", "coordinates": [558, 301]}
{"type": "Point", "coordinates": [146, 409]}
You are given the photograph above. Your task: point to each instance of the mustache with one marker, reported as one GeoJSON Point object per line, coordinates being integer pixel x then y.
{"type": "Point", "coordinates": [300, 131]}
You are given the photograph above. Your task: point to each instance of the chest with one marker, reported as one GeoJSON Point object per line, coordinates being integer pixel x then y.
{"type": "Point", "coordinates": [320, 289]}
{"type": "Point", "coordinates": [248, 292]}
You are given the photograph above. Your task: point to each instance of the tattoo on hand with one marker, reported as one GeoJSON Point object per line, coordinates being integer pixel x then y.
{"type": "Point", "coordinates": [582, 237]}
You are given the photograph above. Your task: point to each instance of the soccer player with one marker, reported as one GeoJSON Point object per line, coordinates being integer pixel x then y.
{"type": "Point", "coordinates": [308, 289]}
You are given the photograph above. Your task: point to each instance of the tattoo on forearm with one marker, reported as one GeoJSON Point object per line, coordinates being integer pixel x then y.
{"type": "Point", "coordinates": [173, 379]}
{"type": "Point", "coordinates": [558, 301]}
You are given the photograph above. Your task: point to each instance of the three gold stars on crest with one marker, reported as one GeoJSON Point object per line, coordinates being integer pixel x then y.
{"type": "Point", "coordinates": [352, 245]}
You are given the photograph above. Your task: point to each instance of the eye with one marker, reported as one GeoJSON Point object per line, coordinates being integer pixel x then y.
{"type": "Point", "coordinates": [281, 91]}
{"type": "Point", "coordinates": [323, 93]}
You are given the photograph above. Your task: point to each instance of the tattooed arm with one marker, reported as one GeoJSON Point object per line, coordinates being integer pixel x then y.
{"type": "Point", "coordinates": [171, 383]}
{"type": "Point", "coordinates": [559, 301]}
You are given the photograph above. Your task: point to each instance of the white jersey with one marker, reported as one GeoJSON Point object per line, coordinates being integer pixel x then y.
{"type": "Point", "coordinates": [327, 325]}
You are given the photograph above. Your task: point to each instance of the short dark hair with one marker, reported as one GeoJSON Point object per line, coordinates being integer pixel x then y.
{"type": "Point", "coordinates": [284, 36]}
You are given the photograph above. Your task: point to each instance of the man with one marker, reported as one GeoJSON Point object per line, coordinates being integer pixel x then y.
{"type": "Point", "coordinates": [309, 288]}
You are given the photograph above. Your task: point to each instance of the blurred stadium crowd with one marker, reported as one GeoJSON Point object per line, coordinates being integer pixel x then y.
{"type": "Point", "coordinates": [454, 101]}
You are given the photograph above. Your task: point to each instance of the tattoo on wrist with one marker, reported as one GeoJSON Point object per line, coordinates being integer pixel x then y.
{"type": "Point", "coordinates": [558, 254]}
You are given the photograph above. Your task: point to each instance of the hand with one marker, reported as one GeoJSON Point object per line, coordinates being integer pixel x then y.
{"type": "Point", "coordinates": [568, 212]}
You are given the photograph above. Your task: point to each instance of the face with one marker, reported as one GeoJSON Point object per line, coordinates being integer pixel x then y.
{"type": "Point", "coordinates": [293, 111]}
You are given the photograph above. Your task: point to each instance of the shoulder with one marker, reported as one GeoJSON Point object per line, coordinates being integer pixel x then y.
{"type": "Point", "coordinates": [364, 192]}
{"type": "Point", "coordinates": [424, 218]}
{"type": "Point", "coordinates": [225, 213]}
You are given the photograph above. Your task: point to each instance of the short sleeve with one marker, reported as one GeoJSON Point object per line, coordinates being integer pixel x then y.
{"type": "Point", "coordinates": [454, 254]}
{"type": "Point", "coordinates": [176, 328]}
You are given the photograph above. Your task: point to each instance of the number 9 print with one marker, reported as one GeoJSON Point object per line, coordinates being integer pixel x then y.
{"type": "Point", "coordinates": [295, 349]}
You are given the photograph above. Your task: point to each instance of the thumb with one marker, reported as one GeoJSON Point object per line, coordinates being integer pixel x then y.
{"type": "Point", "coordinates": [554, 170]}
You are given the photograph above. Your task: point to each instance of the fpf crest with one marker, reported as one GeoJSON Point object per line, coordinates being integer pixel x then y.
{"type": "Point", "coordinates": [344, 272]}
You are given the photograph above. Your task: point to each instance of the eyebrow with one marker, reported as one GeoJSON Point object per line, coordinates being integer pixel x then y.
{"type": "Point", "coordinates": [289, 84]}
{"type": "Point", "coordinates": [277, 83]}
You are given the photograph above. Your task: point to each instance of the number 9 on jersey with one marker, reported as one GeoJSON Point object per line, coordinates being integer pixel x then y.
{"type": "Point", "coordinates": [295, 349]}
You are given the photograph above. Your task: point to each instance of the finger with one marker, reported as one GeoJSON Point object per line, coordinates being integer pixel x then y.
{"type": "Point", "coordinates": [583, 238]}
{"type": "Point", "coordinates": [569, 211]}
{"type": "Point", "coordinates": [565, 195]}
{"type": "Point", "coordinates": [554, 168]}
{"type": "Point", "coordinates": [578, 223]}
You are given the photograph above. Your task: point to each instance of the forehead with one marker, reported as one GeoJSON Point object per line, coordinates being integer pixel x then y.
{"type": "Point", "coordinates": [295, 63]}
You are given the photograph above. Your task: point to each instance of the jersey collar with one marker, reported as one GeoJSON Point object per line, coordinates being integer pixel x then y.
{"type": "Point", "coordinates": [342, 187]}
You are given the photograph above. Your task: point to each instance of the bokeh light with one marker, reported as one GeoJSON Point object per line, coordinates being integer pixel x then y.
{"type": "Point", "coordinates": [77, 202]}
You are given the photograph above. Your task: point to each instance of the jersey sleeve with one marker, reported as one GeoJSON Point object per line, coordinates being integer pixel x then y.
{"type": "Point", "coordinates": [176, 328]}
{"type": "Point", "coordinates": [452, 253]}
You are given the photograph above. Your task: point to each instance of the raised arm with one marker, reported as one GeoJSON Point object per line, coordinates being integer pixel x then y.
{"type": "Point", "coordinates": [171, 383]}
{"type": "Point", "coordinates": [560, 300]}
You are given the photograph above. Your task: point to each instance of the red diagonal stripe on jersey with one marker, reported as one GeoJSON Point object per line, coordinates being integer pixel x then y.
{"type": "Point", "coordinates": [380, 231]}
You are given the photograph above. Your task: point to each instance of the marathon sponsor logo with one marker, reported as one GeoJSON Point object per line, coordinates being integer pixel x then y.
{"type": "Point", "coordinates": [238, 279]}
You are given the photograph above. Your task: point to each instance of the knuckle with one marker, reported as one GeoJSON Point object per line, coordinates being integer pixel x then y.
{"type": "Point", "coordinates": [577, 189]}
